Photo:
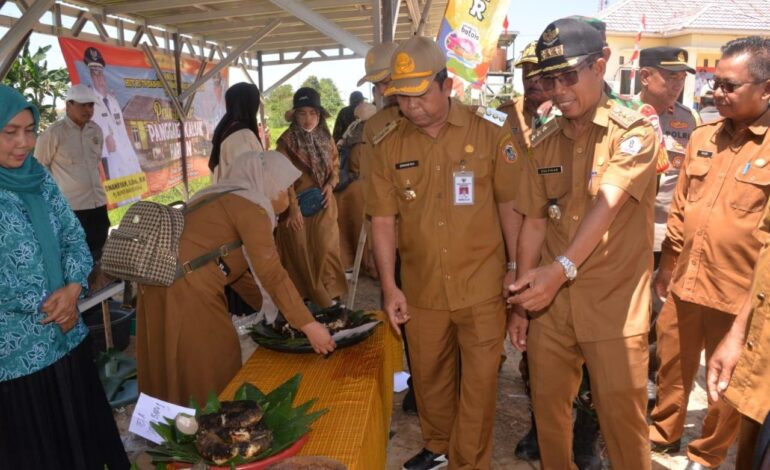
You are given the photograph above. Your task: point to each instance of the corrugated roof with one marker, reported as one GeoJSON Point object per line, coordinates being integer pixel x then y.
{"type": "Point", "coordinates": [666, 16]}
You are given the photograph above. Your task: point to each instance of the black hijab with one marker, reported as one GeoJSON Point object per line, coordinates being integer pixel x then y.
{"type": "Point", "coordinates": [241, 104]}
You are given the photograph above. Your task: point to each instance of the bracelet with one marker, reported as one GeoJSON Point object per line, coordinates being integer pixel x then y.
{"type": "Point", "coordinates": [510, 265]}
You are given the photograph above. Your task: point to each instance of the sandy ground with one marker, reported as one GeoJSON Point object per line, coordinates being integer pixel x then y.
{"type": "Point", "coordinates": [512, 420]}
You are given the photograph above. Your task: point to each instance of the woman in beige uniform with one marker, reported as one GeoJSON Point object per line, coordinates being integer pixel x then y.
{"type": "Point", "coordinates": [309, 239]}
{"type": "Point", "coordinates": [187, 346]}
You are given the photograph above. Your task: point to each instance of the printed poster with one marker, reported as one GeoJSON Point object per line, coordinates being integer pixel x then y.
{"type": "Point", "coordinates": [469, 34]}
{"type": "Point", "coordinates": [141, 156]}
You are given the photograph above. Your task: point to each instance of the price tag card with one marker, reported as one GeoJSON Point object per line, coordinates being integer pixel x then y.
{"type": "Point", "coordinates": [149, 410]}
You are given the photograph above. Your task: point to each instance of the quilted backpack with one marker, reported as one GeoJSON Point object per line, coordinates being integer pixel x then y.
{"type": "Point", "coordinates": [145, 246]}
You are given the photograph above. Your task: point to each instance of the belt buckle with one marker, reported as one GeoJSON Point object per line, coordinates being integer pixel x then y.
{"type": "Point", "coordinates": [187, 268]}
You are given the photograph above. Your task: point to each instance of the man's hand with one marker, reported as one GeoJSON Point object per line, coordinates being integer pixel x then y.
{"type": "Point", "coordinates": [319, 337]}
{"type": "Point", "coordinates": [328, 193]}
{"type": "Point", "coordinates": [722, 363]}
{"type": "Point", "coordinates": [510, 278]}
{"type": "Point", "coordinates": [543, 283]}
{"type": "Point", "coordinates": [395, 307]}
{"type": "Point", "coordinates": [517, 328]}
{"type": "Point", "coordinates": [661, 282]}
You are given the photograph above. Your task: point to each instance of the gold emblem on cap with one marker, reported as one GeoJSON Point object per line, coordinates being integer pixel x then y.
{"type": "Point", "coordinates": [404, 63]}
{"type": "Point", "coordinates": [469, 148]}
{"type": "Point", "coordinates": [680, 57]}
{"type": "Point", "coordinates": [550, 36]}
{"type": "Point", "coordinates": [760, 162]}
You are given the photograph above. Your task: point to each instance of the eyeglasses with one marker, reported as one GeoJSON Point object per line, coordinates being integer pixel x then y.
{"type": "Point", "coordinates": [548, 82]}
{"type": "Point", "coordinates": [727, 86]}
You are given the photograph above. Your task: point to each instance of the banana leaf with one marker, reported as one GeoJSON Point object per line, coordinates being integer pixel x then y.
{"type": "Point", "coordinates": [287, 423]}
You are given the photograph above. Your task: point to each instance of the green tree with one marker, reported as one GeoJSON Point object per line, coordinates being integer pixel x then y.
{"type": "Point", "coordinates": [276, 104]}
{"type": "Point", "coordinates": [330, 94]}
{"type": "Point", "coordinates": [29, 74]}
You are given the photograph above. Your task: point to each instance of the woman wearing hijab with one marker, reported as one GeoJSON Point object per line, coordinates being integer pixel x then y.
{"type": "Point", "coordinates": [309, 239]}
{"type": "Point", "coordinates": [53, 411]}
{"type": "Point", "coordinates": [237, 131]}
{"type": "Point", "coordinates": [186, 343]}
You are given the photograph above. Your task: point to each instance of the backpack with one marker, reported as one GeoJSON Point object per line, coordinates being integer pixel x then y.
{"type": "Point", "coordinates": [352, 136]}
{"type": "Point", "coordinates": [145, 246]}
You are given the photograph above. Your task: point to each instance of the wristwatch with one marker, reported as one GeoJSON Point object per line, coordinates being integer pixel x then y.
{"type": "Point", "coordinates": [570, 270]}
{"type": "Point", "coordinates": [510, 265]}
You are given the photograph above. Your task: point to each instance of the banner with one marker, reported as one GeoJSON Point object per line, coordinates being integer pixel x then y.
{"type": "Point", "coordinates": [142, 149]}
{"type": "Point", "coordinates": [468, 36]}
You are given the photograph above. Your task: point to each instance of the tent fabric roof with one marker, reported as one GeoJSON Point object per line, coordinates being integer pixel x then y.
{"type": "Point", "coordinates": [229, 22]}
{"type": "Point", "coordinates": [666, 17]}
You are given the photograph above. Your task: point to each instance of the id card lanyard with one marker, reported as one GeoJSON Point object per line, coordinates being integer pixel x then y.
{"type": "Point", "coordinates": [463, 186]}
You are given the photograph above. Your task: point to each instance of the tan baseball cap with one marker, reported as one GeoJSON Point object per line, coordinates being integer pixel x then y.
{"type": "Point", "coordinates": [527, 56]}
{"type": "Point", "coordinates": [414, 65]}
{"type": "Point", "coordinates": [377, 62]}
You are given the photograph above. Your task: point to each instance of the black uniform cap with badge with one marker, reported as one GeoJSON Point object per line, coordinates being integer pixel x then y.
{"type": "Point", "coordinates": [93, 58]}
{"type": "Point", "coordinates": [565, 44]}
{"type": "Point", "coordinates": [672, 59]}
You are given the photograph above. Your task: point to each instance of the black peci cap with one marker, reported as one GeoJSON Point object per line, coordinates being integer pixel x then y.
{"type": "Point", "coordinates": [672, 59]}
{"type": "Point", "coordinates": [93, 58]}
{"type": "Point", "coordinates": [567, 42]}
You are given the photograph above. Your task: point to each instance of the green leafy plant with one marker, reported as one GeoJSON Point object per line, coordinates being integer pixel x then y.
{"type": "Point", "coordinates": [30, 75]}
{"type": "Point", "coordinates": [287, 423]}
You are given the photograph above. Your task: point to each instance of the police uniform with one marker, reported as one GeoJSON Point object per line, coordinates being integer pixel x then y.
{"type": "Point", "coordinates": [601, 318]}
{"type": "Point", "coordinates": [717, 205]}
{"type": "Point", "coordinates": [445, 192]}
{"type": "Point", "coordinates": [677, 123]}
{"type": "Point", "coordinates": [109, 116]}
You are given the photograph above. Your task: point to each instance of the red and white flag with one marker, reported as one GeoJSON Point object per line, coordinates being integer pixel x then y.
{"type": "Point", "coordinates": [637, 47]}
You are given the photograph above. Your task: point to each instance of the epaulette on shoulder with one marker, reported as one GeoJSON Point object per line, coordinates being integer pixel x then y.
{"type": "Point", "coordinates": [544, 131]}
{"type": "Point", "coordinates": [389, 127]}
{"type": "Point", "coordinates": [715, 122]}
{"type": "Point", "coordinates": [624, 116]}
{"type": "Point", "coordinates": [507, 104]}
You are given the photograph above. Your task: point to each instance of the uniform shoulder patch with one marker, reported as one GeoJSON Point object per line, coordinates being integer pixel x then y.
{"type": "Point", "coordinates": [385, 131]}
{"type": "Point", "coordinates": [625, 116]}
{"type": "Point", "coordinates": [492, 115]}
{"type": "Point", "coordinates": [546, 129]}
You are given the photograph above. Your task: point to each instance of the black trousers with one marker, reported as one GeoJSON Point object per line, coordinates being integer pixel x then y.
{"type": "Point", "coordinates": [96, 224]}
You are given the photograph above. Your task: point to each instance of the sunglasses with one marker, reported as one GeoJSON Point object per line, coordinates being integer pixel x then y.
{"type": "Point", "coordinates": [727, 86]}
{"type": "Point", "coordinates": [566, 79]}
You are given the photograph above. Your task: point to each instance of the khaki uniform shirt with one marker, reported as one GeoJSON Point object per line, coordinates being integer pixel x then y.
{"type": "Point", "coordinates": [749, 388]}
{"type": "Point", "coordinates": [717, 204]}
{"type": "Point", "coordinates": [519, 122]}
{"type": "Point", "coordinates": [374, 125]}
{"type": "Point", "coordinates": [610, 298]}
{"type": "Point", "coordinates": [679, 123]}
{"type": "Point", "coordinates": [72, 155]}
{"type": "Point", "coordinates": [452, 256]}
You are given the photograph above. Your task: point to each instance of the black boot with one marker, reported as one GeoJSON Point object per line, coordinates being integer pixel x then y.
{"type": "Point", "coordinates": [527, 448]}
{"type": "Point", "coordinates": [409, 404]}
{"type": "Point", "coordinates": [585, 440]}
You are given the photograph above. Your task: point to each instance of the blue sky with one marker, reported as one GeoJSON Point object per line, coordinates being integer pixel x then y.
{"type": "Point", "coordinates": [528, 17]}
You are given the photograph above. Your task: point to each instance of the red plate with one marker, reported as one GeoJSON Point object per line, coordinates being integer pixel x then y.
{"type": "Point", "coordinates": [259, 464]}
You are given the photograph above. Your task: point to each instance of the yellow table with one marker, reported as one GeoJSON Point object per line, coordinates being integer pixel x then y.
{"type": "Point", "coordinates": [354, 383]}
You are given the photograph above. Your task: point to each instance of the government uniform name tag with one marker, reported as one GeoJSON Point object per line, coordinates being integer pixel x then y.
{"type": "Point", "coordinates": [463, 183]}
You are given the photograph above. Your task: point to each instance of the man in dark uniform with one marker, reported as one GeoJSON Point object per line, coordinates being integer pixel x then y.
{"type": "Point", "coordinates": [587, 199]}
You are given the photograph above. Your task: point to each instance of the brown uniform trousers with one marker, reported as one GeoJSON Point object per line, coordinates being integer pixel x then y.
{"type": "Point", "coordinates": [717, 206]}
{"type": "Point", "coordinates": [602, 318]}
{"type": "Point", "coordinates": [749, 388]}
{"type": "Point", "coordinates": [452, 266]}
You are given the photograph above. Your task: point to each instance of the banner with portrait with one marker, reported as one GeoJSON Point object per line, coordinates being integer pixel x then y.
{"type": "Point", "coordinates": [142, 149]}
{"type": "Point", "coordinates": [469, 34]}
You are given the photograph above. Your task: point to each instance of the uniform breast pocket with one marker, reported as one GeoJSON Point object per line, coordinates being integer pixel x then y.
{"type": "Point", "coordinates": [696, 171]}
{"type": "Point", "coordinates": [751, 189]}
{"type": "Point", "coordinates": [556, 185]}
{"type": "Point", "coordinates": [408, 177]}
